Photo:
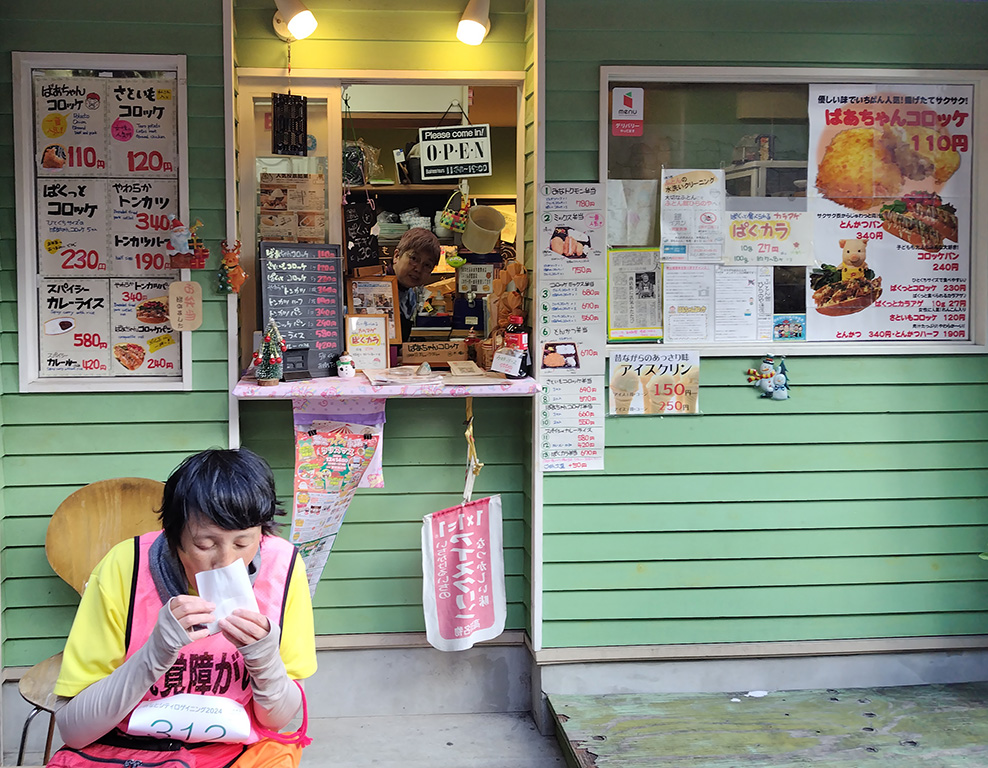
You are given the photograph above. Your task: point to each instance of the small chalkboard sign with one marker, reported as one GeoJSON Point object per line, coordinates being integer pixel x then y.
{"type": "Point", "coordinates": [302, 290]}
{"type": "Point", "coordinates": [361, 245]}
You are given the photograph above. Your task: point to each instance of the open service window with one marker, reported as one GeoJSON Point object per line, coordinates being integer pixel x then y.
{"type": "Point", "coordinates": [100, 166]}
{"type": "Point", "coordinates": [822, 211]}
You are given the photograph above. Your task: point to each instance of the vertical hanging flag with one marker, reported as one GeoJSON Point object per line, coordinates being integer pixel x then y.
{"type": "Point", "coordinates": [463, 570]}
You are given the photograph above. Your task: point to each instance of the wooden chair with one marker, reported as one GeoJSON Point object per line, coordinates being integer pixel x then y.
{"type": "Point", "coordinates": [81, 531]}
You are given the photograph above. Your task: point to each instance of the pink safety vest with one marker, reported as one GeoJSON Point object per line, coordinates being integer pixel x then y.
{"type": "Point", "coordinates": [211, 666]}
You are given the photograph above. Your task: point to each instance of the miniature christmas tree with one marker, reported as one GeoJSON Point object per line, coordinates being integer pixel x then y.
{"type": "Point", "coordinates": [268, 359]}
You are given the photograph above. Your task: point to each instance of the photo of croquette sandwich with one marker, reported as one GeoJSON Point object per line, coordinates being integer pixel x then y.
{"type": "Point", "coordinates": [921, 219]}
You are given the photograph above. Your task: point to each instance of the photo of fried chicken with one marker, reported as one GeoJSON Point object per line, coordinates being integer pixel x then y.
{"type": "Point", "coordinates": [130, 356]}
{"type": "Point", "coordinates": [856, 168]}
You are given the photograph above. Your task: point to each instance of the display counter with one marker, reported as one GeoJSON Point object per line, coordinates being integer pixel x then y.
{"type": "Point", "coordinates": [360, 387]}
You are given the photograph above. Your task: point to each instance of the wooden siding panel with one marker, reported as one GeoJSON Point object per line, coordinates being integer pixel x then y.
{"type": "Point", "coordinates": [54, 443]}
{"type": "Point", "coordinates": [858, 507]}
{"type": "Point", "coordinates": [424, 460]}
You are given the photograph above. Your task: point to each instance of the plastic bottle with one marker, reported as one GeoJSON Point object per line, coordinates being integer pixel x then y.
{"type": "Point", "coordinates": [472, 341]}
{"type": "Point", "coordinates": [516, 338]}
{"type": "Point", "coordinates": [515, 335]}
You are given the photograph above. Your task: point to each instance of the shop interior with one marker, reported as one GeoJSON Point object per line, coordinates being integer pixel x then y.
{"type": "Point", "coordinates": [370, 196]}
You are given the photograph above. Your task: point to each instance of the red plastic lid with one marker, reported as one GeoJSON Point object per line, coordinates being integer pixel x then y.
{"type": "Point", "coordinates": [516, 319]}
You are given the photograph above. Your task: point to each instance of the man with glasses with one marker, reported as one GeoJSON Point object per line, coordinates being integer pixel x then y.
{"type": "Point", "coordinates": [416, 255]}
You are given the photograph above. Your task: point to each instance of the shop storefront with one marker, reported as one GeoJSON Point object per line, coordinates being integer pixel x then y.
{"type": "Point", "coordinates": [646, 546]}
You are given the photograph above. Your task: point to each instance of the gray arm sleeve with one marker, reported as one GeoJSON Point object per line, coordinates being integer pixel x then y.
{"type": "Point", "coordinates": [99, 707]}
{"type": "Point", "coordinates": [277, 699]}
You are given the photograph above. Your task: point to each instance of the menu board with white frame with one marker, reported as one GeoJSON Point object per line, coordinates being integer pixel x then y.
{"type": "Point", "coordinates": [100, 162]}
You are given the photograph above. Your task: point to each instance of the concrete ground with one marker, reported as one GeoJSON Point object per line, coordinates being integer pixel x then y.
{"type": "Point", "coordinates": [425, 741]}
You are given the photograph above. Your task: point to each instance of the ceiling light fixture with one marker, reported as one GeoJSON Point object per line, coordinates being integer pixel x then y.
{"type": "Point", "coordinates": [293, 21]}
{"type": "Point", "coordinates": [475, 22]}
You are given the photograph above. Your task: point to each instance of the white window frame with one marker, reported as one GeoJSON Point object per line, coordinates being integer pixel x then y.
{"type": "Point", "coordinates": [978, 290]}
{"type": "Point", "coordinates": [27, 238]}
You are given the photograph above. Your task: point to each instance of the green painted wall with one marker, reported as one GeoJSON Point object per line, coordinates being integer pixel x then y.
{"type": "Point", "coordinates": [373, 581]}
{"type": "Point", "coordinates": [854, 509]}
{"type": "Point", "coordinates": [53, 444]}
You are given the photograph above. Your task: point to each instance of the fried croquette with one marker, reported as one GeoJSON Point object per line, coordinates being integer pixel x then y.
{"type": "Point", "coordinates": [919, 152]}
{"type": "Point", "coordinates": [856, 168]}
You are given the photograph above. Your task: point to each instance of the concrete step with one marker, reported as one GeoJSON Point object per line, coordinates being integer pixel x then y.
{"type": "Point", "coordinates": [425, 741]}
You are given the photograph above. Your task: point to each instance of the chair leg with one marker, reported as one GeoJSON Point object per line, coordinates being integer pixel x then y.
{"type": "Point", "coordinates": [51, 733]}
{"type": "Point", "coordinates": [27, 724]}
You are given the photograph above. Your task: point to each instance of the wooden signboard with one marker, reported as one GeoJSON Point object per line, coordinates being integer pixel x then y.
{"type": "Point", "coordinates": [302, 291]}
{"type": "Point", "coordinates": [433, 351]}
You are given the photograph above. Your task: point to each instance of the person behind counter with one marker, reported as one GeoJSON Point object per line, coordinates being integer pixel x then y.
{"type": "Point", "coordinates": [416, 255]}
{"type": "Point", "coordinates": [139, 635]}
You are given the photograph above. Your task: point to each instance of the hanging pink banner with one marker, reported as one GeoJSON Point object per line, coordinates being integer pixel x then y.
{"type": "Point", "coordinates": [463, 569]}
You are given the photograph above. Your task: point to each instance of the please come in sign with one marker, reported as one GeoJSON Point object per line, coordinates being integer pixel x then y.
{"type": "Point", "coordinates": [455, 151]}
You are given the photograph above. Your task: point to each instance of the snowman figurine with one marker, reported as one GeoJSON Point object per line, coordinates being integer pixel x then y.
{"type": "Point", "coordinates": [345, 367]}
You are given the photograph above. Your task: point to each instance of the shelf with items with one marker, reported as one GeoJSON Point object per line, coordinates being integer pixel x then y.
{"type": "Point", "coordinates": [405, 189]}
{"type": "Point", "coordinates": [765, 178]}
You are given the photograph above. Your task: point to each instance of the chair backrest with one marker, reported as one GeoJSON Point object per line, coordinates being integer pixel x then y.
{"type": "Point", "coordinates": [91, 520]}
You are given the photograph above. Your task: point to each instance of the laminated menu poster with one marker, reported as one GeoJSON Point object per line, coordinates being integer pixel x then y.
{"type": "Point", "coordinates": [292, 207]}
{"type": "Point", "coordinates": [572, 232]}
{"type": "Point", "coordinates": [100, 327]}
{"type": "Point", "coordinates": [302, 291]}
{"type": "Point", "coordinates": [643, 382]}
{"type": "Point", "coordinates": [106, 166]}
{"type": "Point", "coordinates": [890, 169]}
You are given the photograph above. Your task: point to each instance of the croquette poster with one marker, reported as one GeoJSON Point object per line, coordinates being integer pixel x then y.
{"type": "Point", "coordinates": [106, 175]}
{"type": "Point", "coordinates": [890, 195]}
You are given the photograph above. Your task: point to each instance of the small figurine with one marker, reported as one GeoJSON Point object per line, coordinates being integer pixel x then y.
{"type": "Point", "coordinates": [269, 358]}
{"type": "Point", "coordinates": [179, 241]}
{"type": "Point", "coordinates": [770, 381]}
{"type": "Point", "coordinates": [231, 275]}
{"type": "Point", "coordinates": [345, 367]}
{"type": "Point", "coordinates": [189, 251]}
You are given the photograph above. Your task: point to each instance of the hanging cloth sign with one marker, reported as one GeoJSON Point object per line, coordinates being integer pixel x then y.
{"type": "Point", "coordinates": [463, 569]}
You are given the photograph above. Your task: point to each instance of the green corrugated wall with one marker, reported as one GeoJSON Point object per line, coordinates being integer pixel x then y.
{"type": "Point", "coordinates": [855, 509]}
{"type": "Point", "coordinates": [52, 443]}
{"type": "Point", "coordinates": [373, 581]}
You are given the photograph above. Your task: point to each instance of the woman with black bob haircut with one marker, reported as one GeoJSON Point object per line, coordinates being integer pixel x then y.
{"type": "Point", "coordinates": [142, 633]}
{"type": "Point", "coordinates": [233, 489]}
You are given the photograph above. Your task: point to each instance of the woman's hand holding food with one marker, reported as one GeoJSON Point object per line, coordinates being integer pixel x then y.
{"type": "Point", "coordinates": [192, 613]}
{"type": "Point", "coordinates": [243, 627]}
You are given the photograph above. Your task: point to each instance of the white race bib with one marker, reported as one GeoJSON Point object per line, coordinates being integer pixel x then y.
{"type": "Point", "coordinates": [191, 717]}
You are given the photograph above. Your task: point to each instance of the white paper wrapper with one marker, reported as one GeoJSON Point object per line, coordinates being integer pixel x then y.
{"type": "Point", "coordinates": [228, 588]}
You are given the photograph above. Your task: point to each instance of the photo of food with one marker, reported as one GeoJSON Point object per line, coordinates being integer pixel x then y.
{"type": "Point", "coordinates": [53, 156]}
{"type": "Point", "coordinates": [570, 243]}
{"type": "Point", "coordinates": [130, 356]}
{"type": "Point", "coordinates": [921, 219]}
{"type": "Point", "coordinates": [153, 311]}
{"type": "Point", "coordinates": [623, 387]}
{"type": "Point", "coordinates": [849, 287]}
{"type": "Point", "coordinates": [59, 325]}
{"type": "Point", "coordinates": [864, 167]}
{"type": "Point", "coordinates": [555, 356]}
{"type": "Point", "coordinates": [857, 168]}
